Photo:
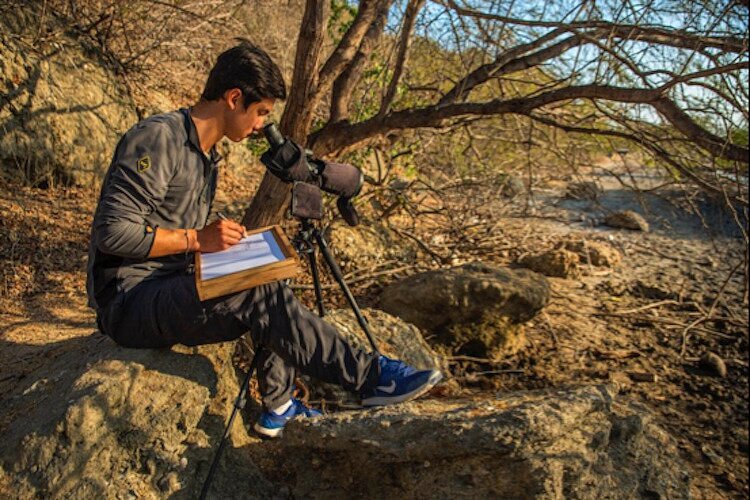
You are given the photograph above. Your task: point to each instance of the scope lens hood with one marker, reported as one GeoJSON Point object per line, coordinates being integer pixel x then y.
{"type": "Point", "coordinates": [341, 179]}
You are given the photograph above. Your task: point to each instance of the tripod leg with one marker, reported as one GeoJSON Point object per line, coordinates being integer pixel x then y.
{"type": "Point", "coordinates": [239, 403]}
{"type": "Point", "coordinates": [336, 271]}
{"type": "Point", "coordinates": [316, 281]}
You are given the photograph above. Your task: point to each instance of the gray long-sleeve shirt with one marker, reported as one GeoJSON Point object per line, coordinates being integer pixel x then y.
{"type": "Point", "coordinates": [159, 177]}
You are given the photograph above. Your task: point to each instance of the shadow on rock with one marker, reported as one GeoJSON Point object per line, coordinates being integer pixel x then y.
{"type": "Point", "coordinates": [90, 419]}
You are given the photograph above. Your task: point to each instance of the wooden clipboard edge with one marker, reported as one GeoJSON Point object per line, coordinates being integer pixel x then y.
{"type": "Point", "coordinates": [284, 244]}
{"type": "Point", "coordinates": [287, 268]}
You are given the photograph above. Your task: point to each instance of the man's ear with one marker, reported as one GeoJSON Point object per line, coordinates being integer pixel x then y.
{"type": "Point", "coordinates": [233, 98]}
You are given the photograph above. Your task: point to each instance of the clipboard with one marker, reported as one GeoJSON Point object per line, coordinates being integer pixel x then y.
{"type": "Point", "coordinates": [264, 256]}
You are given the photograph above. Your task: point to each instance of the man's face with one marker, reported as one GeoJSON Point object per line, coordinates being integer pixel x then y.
{"type": "Point", "coordinates": [243, 122]}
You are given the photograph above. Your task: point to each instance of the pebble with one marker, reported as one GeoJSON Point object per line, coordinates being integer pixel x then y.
{"type": "Point", "coordinates": [713, 363]}
{"type": "Point", "coordinates": [183, 462]}
{"type": "Point", "coordinates": [712, 456]}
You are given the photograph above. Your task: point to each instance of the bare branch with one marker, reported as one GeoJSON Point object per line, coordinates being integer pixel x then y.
{"type": "Point", "coordinates": [347, 81]}
{"type": "Point", "coordinates": [509, 62]}
{"type": "Point", "coordinates": [708, 141]}
{"type": "Point", "coordinates": [347, 48]}
{"type": "Point", "coordinates": [332, 137]}
{"type": "Point", "coordinates": [660, 152]}
{"type": "Point", "coordinates": [658, 35]}
{"type": "Point", "coordinates": [410, 17]}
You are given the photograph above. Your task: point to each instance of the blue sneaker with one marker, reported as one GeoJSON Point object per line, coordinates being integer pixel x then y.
{"type": "Point", "coordinates": [270, 424]}
{"type": "Point", "coordinates": [399, 382]}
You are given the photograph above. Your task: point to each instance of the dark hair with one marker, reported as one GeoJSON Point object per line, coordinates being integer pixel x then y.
{"type": "Point", "coordinates": [248, 68]}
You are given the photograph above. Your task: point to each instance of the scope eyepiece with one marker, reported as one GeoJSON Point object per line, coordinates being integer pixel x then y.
{"type": "Point", "coordinates": [273, 136]}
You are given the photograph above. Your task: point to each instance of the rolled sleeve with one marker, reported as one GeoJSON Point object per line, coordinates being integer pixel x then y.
{"type": "Point", "coordinates": [137, 183]}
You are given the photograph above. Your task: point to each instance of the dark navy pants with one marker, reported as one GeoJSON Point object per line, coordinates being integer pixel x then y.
{"type": "Point", "coordinates": [167, 311]}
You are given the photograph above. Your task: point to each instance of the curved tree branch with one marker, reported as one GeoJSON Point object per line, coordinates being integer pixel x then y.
{"type": "Point", "coordinates": [509, 63]}
{"type": "Point", "coordinates": [705, 139]}
{"type": "Point", "coordinates": [333, 137]}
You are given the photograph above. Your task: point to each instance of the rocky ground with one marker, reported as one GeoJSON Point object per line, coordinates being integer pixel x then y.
{"type": "Point", "coordinates": [663, 318]}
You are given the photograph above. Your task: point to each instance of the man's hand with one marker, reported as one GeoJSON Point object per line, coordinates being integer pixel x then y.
{"type": "Point", "coordinates": [220, 235]}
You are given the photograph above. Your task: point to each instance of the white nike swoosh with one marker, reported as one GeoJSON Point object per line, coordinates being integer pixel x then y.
{"type": "Point", "coordinates": [387, 388]}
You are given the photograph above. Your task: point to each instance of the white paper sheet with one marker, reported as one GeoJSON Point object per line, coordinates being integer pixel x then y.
{"type": "Point", "coordinates": [253, 251]}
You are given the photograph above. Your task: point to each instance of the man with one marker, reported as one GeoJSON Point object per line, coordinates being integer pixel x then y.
{"type": "Point", "coordinates": [151, 218]}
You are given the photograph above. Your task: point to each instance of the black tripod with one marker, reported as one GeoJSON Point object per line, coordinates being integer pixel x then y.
{"type": "Point", "coordinates": [304, 242]}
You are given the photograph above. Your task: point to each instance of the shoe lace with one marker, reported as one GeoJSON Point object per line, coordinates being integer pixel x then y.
{"type": "Point", "coordinates": [300, 407]}
{"type": "Point", "coordinates": [397, 368]}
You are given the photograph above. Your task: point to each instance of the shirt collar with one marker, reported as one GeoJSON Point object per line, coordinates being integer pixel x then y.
{"type": "Point", "coordinates": [193, 139]}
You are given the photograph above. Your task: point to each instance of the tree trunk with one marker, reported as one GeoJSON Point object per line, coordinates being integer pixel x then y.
{"type": "Point", "coordinates": [273, 196]}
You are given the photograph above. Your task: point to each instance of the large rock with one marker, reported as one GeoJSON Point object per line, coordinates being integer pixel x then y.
{"type": "Point", "coordinates": [559, 263]}
{"type": "Point", "coordinates": [394, 337]}
{"type": "Point", "coordinates": [558, 443]}
{"type": "Point", "coordinates": [584, 190]}
{"type": "Point", "coordinates": [100, 421]}
{"type": "Point", "coordinates": [465, 293]}
{"type": "Point", "coordinates": [595, 253]}
{"type": "Point", "coordinates": [473, 309]}
{"type": "Point", "coordinates": [62, 113]}
{"type": "Point", "coordinates": [627, 219]}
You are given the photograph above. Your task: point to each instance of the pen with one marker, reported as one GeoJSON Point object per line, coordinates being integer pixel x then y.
{"type": "Point", "coordinates": [221, 216]}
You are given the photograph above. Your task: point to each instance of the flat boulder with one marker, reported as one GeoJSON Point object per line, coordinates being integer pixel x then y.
{"type": "Point", "coordinates": [574, 442]}
{"type": "Point", "coordinates": [101, 421]}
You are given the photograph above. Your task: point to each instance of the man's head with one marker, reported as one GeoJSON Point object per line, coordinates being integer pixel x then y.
{"type": "Point", "coordinates": [248, 82]}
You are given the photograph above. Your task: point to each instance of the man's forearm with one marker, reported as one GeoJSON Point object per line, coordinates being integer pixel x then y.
{"type": "Point", "coordinates": [174, 241]}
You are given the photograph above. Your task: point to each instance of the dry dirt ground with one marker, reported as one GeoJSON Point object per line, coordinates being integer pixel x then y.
{"type": "Point", "coordinates": [643, 325]}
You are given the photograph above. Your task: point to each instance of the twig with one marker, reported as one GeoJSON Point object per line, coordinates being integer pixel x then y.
{"type": "Point", "coordinates": [550, 328]}
{"type": "Point", "coordinates": [497, 372]}
{"type": "Point", "coordinates": [683, 346]}
{"type": "Point", "coordinates": [657, 252]}
{"type": "Point", "coordinates": [438, 258]}
{"type": "Point", "coordinates": [665, 321]}
{"type": "Point", "coordinates": [721, 290]}
{"type": "Point", "coordinates": [471, 359]}
{"type": "Point", "coordinates": [650, 306]}
{"type": "Point", "coordinates": [709, 313]}
{"type": "Point", "coordinates": [357, 279]}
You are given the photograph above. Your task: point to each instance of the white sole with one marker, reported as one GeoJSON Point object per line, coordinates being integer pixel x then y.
{"type": "Point", "coordinates": [389, 400]}
{"type": "Point", "coordinates": [271, 433]}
